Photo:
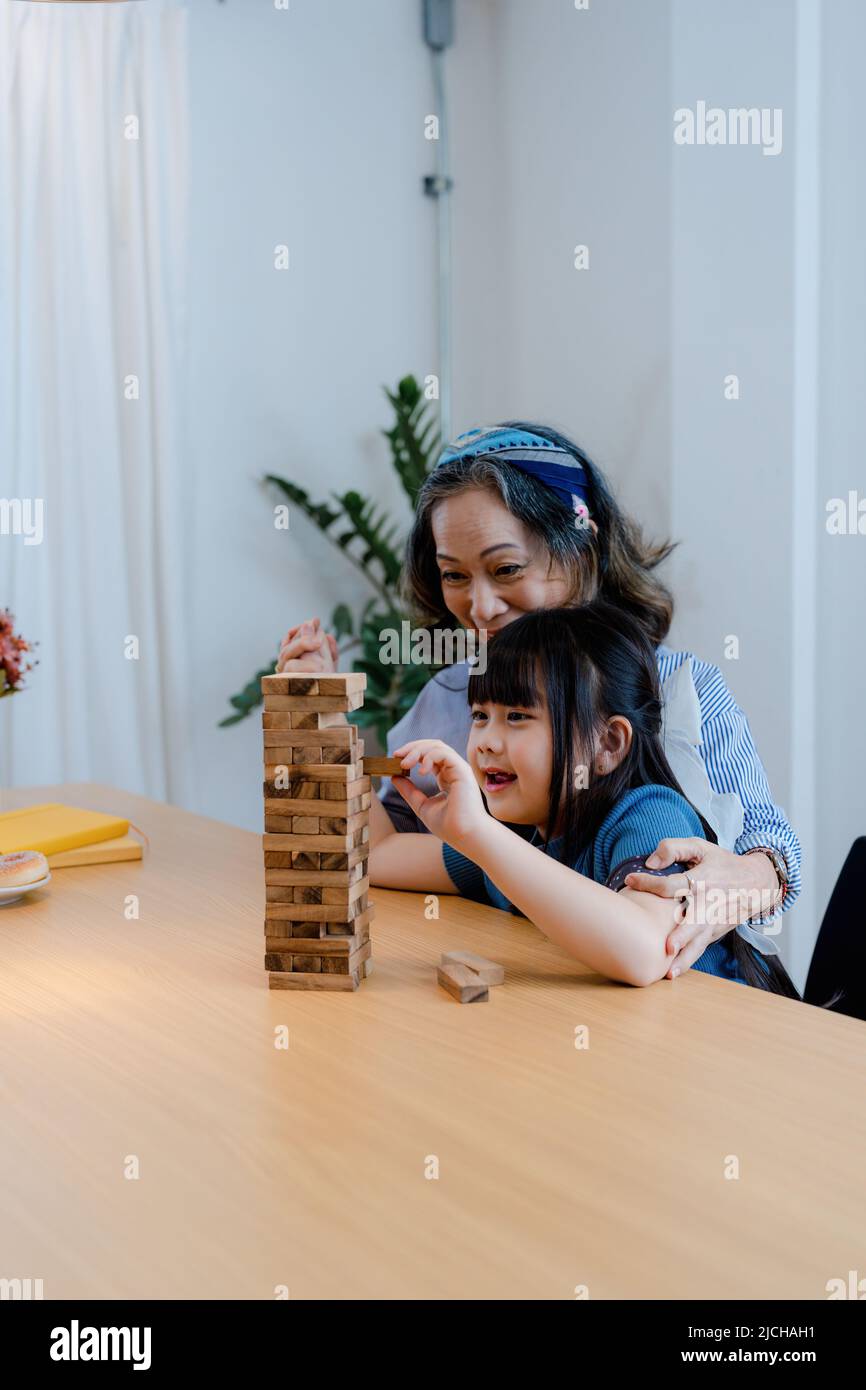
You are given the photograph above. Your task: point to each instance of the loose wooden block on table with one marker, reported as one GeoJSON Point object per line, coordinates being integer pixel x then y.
{"type": "Point", "coordinates": [487, 970]}
{"type": "Point", "coordinates": [463, 984]}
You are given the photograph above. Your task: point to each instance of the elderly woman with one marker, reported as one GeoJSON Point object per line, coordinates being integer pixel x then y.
{"type": "Point", "coordinates": [516, 518]}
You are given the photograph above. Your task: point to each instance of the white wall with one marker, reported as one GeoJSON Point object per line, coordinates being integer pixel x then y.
{"type": "Point", "coordinates": [565, 117]}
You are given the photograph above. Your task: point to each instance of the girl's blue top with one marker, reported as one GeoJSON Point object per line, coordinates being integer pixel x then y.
{"type": "Point", "coordinates": [632, 830]}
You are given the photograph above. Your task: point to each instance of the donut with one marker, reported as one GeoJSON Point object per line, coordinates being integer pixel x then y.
{"type": "Point", "coordinates": [27, 866]}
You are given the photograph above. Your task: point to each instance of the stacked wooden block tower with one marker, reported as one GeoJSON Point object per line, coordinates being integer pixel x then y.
{"type": "Point", "coordinates": [316, 841]}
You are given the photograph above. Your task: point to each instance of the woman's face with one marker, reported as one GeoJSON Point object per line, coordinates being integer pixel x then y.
{"type": "Point", "coordinates": [492, 568]}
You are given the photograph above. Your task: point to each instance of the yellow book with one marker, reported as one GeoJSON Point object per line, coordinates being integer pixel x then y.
{"type": "Point", "coordinates": [53, 827]}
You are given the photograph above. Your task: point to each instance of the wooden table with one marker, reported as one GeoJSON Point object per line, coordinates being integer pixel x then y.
{"type": "Point", "coordinates": [559, 1167]}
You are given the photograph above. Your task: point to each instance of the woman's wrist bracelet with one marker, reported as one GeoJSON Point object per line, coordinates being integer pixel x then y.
{"type": "Point", "coordinates": [781, 869]}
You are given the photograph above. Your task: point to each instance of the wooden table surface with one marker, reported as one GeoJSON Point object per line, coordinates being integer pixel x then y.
{"type": "Point", "coordinates": [558, 1167]}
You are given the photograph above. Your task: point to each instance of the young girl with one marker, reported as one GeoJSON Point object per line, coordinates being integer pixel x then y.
{"type": "Point", "coordinates": [565, 741]}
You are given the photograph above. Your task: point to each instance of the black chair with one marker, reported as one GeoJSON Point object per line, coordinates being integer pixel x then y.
{"type": "Point", "coordinates": [839, 959]}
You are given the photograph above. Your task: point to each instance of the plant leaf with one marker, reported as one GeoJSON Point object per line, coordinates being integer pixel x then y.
{"type": "Point", "coordinates": [341, 621]}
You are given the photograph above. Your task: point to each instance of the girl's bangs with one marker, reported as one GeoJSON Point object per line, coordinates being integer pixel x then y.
{"type": "Point", "coordinates": [511, 677]}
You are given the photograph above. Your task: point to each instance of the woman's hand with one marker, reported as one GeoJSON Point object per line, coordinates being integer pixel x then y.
{"type": "Point", "coordinates": [725, 889]}
{"type": "Point", "coordinates": [457, 812]}
{"type": "Point", "coordinates": [308, 647]}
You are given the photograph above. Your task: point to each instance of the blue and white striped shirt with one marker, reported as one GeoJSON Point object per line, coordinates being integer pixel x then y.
{"type": "Point", "coordinates": [728, 751]}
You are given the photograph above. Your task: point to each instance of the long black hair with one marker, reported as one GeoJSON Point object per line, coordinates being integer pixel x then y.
{"type": "Point", "coordinates": [593, 663]}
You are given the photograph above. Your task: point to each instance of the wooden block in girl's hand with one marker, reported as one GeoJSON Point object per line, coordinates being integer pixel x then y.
{"type": "Point", "coordinates": [463, 984]}
{"type": "Point", "coordinates": [486, 970]}
{"type": "Point", "coordinates": [383, 767]}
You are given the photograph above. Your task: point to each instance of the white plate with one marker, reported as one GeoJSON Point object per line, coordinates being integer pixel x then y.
{"type": "Point", "coordinates": [17, 890]}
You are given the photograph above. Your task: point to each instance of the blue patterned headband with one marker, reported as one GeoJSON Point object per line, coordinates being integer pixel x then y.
{"type": "Point", "coordinates": [532, 454]}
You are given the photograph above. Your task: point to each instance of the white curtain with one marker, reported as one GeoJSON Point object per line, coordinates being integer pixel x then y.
{"type": "Point", "coordinates": [93, 212]}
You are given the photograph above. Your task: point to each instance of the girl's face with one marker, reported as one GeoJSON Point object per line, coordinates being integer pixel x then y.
{"type": "Point", "coordinates": [510, 750]}
{"type": "Point", "coordinates": [492, 568]}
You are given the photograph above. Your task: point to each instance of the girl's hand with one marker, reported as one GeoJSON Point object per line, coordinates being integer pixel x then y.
{"type": "Point", "coordinates": [725, 889]}
{"type": "Point", "coordinates": [457, 812]}
{"type": "Point", "coordinates": [308, 647]}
